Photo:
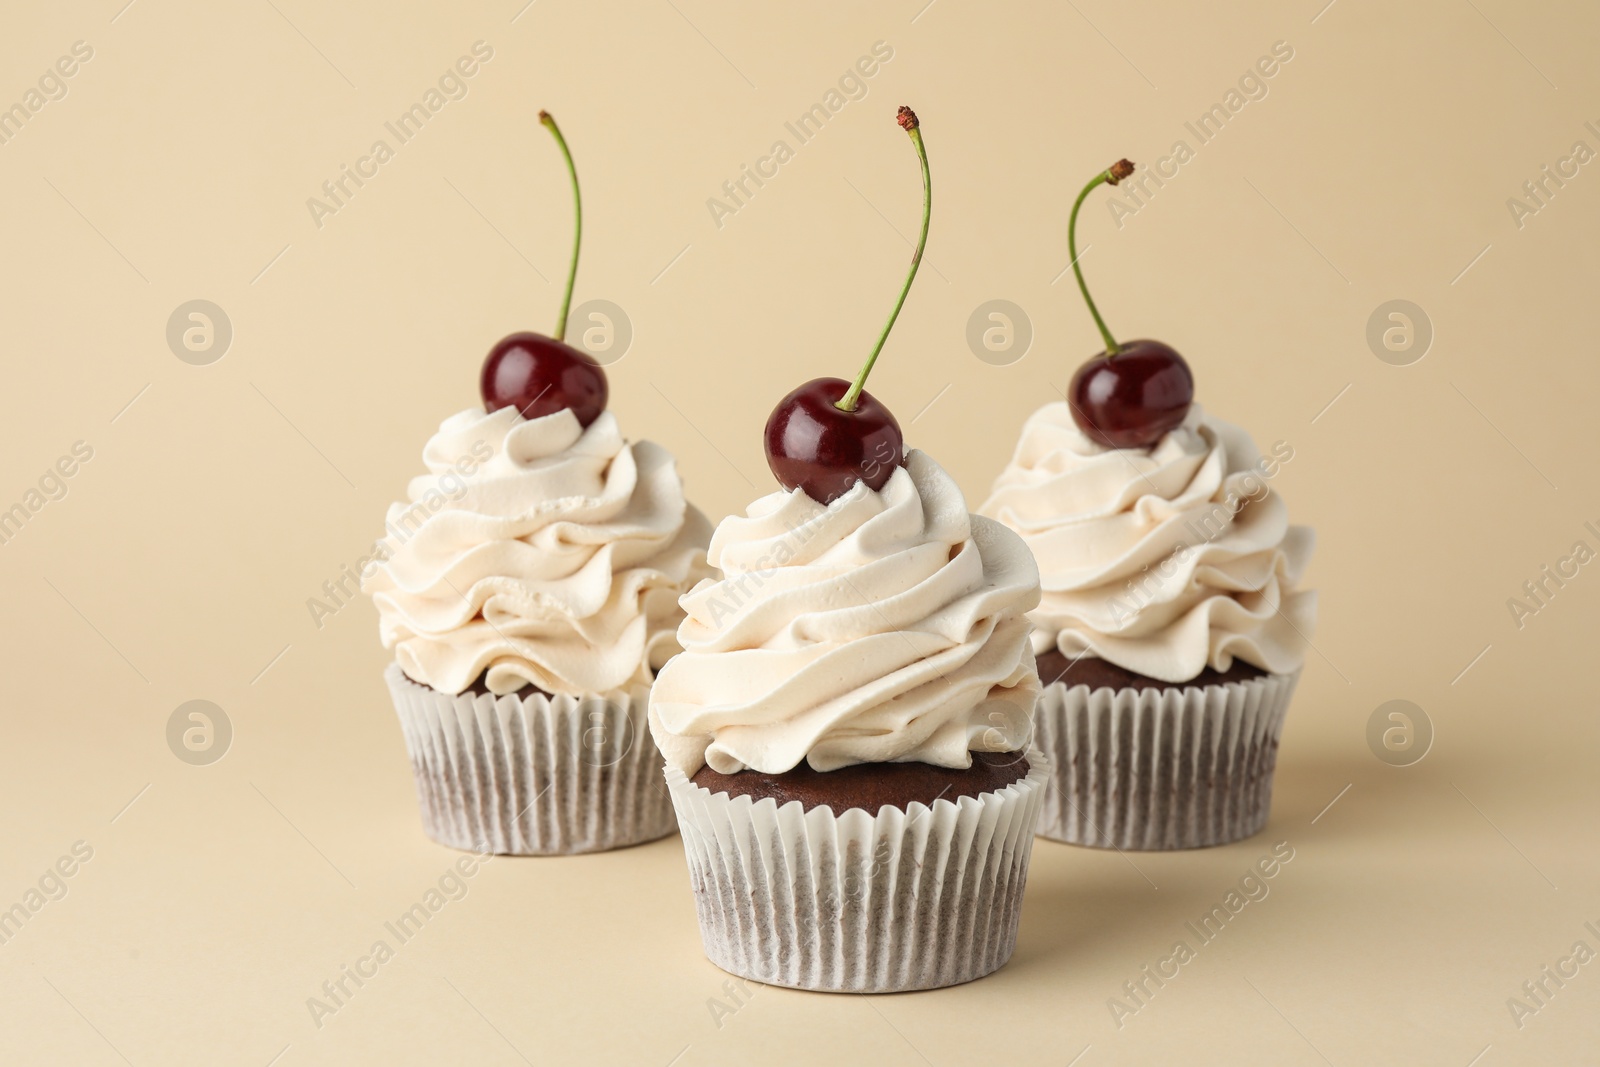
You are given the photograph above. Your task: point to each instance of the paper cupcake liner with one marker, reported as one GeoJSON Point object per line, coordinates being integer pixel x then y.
{"type": "Point", "coordinates": [1160, 768]}
{"type": "Point", "coordinates": [533, 775]}
{"type": "Point", "coordinates": [859, 903]}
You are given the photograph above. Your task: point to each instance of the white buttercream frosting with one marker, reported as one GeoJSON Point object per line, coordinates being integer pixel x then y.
{"type": "Point", "coordinates": [1164, 560]}
{"type": "Point", "coordinates": [887, 626]}
{"type": "Point", "coordinates": [538, 551]}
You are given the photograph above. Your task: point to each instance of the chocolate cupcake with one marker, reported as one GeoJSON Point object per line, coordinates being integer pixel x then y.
{"type": "Point", "coordinates": [528, 587]}
{"type": "Point", "coordinates": [846, 738]}
{"type": "Point", "coordinates": [1170, 631]}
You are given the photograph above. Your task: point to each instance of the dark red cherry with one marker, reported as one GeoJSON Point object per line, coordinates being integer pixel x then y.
{"type": "Point", "coordinates": [814, 446]}
{"type": "Point", "coordinates": [539, 375]}
{"type": "Point", "coordinates": [1131, 399]}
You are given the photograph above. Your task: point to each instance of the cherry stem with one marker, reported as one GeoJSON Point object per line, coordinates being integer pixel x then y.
{"type": "Point", "coordinates": [577, 228]}
{"type": "Point", "coordinates": [1110, 176]}
{"type": "Point", "coordinates": [908, 121]}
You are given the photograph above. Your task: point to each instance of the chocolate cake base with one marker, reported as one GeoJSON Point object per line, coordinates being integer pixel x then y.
{"type": "Point", "coordinates": [1139, 763]}
{"type": "Point", "coordinates": [536, 775]}
{"type": "Point", "coordinates": [860, 901]}
{"type": "Point", "coordinates": [1103, 674]}
{"type": "Point", "coordinates": [480, 687]}
{"type": "Point", "coordinates": [871, 786]}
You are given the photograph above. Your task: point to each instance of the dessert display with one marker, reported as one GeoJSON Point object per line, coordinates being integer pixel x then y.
{"type": "Point", "coordinates": [1170, 631]}
{"type": "Point", "coordinates": [846, 728]}
{"type": "Point", "coordinates": [528, 586]}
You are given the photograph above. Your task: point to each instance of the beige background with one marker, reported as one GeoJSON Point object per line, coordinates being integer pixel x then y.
{"type": "Point", "coordinates": [219, 498]}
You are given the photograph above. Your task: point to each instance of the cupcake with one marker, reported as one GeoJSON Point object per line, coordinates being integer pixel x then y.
{"type": "Point", "coordinates": [528, 587]}
{"type": "Point", "coordinates": [845, 738]}
{"type": "Point", "coordinates": [1171, 630]}
{"type": "Point", "coordinates": [846, 727]}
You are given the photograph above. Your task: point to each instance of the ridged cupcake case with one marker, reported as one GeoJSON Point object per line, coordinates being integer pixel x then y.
{"type": "Point", "coordinates": [534, 775]}
{"type": "Point", "coordinates": [858, 903]}
{"type": "Point", "coordinates": [1157, 769]}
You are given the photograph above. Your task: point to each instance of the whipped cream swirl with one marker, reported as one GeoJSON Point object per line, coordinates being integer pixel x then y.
{"type": "Point", "coordinates": [887, 626]}
{"type": "Point", "coordinates": [537, 551]}
{"type": "Point", "coordinates": [1165, 560]}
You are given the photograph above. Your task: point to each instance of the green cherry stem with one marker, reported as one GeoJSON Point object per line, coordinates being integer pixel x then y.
{"type": "Point", "coordinates": [1111, 176]}
{"type": "Point", "coordinates": [577, 226]}
{"type": "Point", "coordinates": [908, 121]}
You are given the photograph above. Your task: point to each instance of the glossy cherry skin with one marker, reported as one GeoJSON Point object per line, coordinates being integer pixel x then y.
{"type": "Point", "coordinates": [539, 375]}
{"type": "Point", "coordinates": [814, 446]}
{"type": "Point", "coordinates": [1131, 399]}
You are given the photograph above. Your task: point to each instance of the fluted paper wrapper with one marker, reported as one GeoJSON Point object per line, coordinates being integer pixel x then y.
{"type": "Point", "coordinates": [1160, 768]}
{"type": "Point", "coordinates": [533, 775]}
{"type": "Point", "coordinates": [901, 900]}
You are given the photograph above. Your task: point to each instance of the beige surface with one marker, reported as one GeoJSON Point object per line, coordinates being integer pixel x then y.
{"type": "Point", "coordinates": [178, 565]}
